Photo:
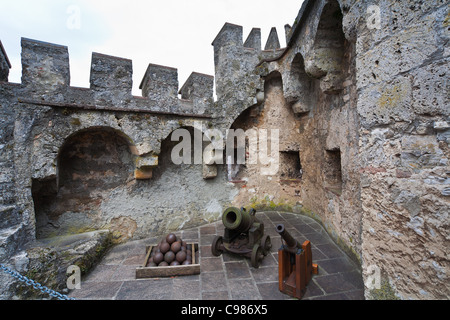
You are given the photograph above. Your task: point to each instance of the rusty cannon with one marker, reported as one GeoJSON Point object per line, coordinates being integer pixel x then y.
{"type": "Point", "coordinates": [295, 267]}
{"type": "Point", "coordinates": [243, 235]}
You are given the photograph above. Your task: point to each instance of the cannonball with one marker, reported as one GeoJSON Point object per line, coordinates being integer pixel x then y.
{"type": "Point", "coordinates": [186, 262]}
{"type": "Point", "coordinates": [181, 256]}
{"type": "Point", "coordinates": [151, 264]}
{"type": "Point", "coordinates": [183, 244]}
{"type": "Point", "coordinates": [171, 238]}
{"type": "Point", "coordinates": [158, 258]}
{"type": "Point", "coordinates": [174, 263]}
{"type": "Point", "coordinates": [169, 257]}
{"type": "Point", "coordinates": [164, 247]}
{"type": "Point", "coordinates": [163, 264]}
{"type": "Point", "coordinates": [175, 247]}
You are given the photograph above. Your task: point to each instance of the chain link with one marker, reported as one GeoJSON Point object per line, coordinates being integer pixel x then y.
{"type": "Point", "coordinates": [35, 284]}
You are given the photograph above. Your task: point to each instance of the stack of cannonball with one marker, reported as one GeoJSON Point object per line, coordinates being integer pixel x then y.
{"type": "Point", "coordinates": [171, 251]}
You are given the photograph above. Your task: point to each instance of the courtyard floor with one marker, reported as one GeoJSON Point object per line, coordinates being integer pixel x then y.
{"type": "Point", "coordinates": [228, 277]}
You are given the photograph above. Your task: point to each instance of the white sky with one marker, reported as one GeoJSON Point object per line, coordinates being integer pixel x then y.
{"type": "Point", "coordinates": [174, 33]}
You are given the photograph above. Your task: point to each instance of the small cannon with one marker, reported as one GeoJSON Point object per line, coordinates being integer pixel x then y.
{"type": "Point", "coordinates": [243, 235]}
{"type": "Point", "coordinates": [295, 267]}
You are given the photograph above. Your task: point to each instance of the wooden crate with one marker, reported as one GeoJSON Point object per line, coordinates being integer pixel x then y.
{"type": "Point", "coordinates": [170, 271]}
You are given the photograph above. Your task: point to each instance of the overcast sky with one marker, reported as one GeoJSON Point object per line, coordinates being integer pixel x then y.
{"type": "Point", "coordinates": [174, 33]}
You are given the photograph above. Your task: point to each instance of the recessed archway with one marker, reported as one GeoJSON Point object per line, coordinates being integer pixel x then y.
{"type": "Point", "coordinates": [91, 162]}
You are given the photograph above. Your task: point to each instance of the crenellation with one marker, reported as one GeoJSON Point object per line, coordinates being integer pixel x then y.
{"type": "Point", "coordinates": [160, 82]}
{"type": "Point", "coordinates": [273, 42]}
{"type": "Point", "coordinates": [111, 77]}
{"type": "Point", "coordinates": [45, 66]}
{"type": "Point", "coordinates": [231, 35]}
{"type": "Point", "coordinates": [200, 89]}
{"type": "Point", "coordinates": [254, 39]}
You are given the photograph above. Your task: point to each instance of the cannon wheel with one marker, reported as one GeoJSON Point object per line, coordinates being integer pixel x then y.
{"type": "Point", "coordinates": [216, 246]}
{"type": "Point", "coordinates": [257, 255]}
{"type": "Point", "coordinates": [267, 244]}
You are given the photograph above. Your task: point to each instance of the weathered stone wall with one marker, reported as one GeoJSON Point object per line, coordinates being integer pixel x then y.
{"type": "Point", "coordinates": [81, 159]}
{"type": "Point", "coordinates": [363, 119]}
{"type": "Point", "coordinates": [403, 103]}
{"type": "Point", "coordinates": [371, 109]}
{"type": "Point", "coordinates": [307, 92]}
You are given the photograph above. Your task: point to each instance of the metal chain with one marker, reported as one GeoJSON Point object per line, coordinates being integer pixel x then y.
{"type": "Point", "coordinates": [35, 284]}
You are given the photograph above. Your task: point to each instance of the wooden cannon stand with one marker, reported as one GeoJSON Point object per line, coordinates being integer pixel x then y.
{"type": "Point", "coordinates": [295, 270]}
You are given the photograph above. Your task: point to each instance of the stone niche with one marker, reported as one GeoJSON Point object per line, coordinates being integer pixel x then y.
{"type": "Point", "coordinates": [90, 164]}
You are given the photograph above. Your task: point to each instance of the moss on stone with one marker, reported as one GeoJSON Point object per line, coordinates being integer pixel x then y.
{"type": "Point", "coordinates": [75, 122]}
{"type": "Point", "coordinates": [386, 292]}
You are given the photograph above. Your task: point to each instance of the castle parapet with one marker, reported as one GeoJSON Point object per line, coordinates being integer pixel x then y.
{"type": "Point", "coordinates": [46, 82]}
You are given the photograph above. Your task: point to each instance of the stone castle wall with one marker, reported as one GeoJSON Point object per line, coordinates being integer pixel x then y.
{"type": "Point", "coordinates": [359, 97]}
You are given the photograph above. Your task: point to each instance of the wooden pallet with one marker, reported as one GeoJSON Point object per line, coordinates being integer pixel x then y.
{"type": "Point", "coordinates": [144, 272]}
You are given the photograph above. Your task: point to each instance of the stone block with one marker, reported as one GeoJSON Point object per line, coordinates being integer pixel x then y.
{"type": "Point", "coordinates": [209, 171]}
{"type": "Point", "coordinates": [441, 125]}
{"type": "Point", "coordinates": [147, 162]}
{"type": "Point", "coordinates": [143, 173]}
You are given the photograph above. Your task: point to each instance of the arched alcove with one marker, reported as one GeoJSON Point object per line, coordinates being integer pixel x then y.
{"type": "Point", "coordinates": [91, 162]}
{"type": "Point", "coordinates": [324, 61]}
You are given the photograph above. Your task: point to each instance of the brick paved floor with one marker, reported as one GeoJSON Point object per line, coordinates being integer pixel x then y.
{"type": "Point", "coordinates": [227, 277]}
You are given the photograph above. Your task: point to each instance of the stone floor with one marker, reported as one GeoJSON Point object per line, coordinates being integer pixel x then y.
{"type": "Point", "coordinates": [227, 277]}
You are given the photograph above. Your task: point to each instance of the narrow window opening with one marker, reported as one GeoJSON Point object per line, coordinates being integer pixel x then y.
{"type": "Point", "coordinates": [333, 171]}
{"type": "Point", "coordinates": [290, 165]}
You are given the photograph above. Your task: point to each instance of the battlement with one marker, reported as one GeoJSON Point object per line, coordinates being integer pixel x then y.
{"type": "Point", "coordinates": [198, 85]}
{"type": "Point", "coordinates": [232, 35]}
{"type": "Point", "coordinates": [46, 79]}
{"type": "Point", "coordinates": [44, 65]}
{"type": "Point", "coordinates": [159, 81]}
{"type": "Point", "coordinates": [254, 39]}
{"type": "Point", "coordinates": [109, 72]}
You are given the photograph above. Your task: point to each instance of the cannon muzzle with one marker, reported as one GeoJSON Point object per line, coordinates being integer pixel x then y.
{"type": "Point", "coordinates": [291, 243]}
{"type": "Point", "coordinates": [238, 220]}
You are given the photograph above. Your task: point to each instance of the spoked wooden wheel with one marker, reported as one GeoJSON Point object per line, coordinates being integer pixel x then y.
{"type": "Point", "coordinates": [217, 246]}
{"type": "Point", "coordinates": [257, 256]}
{"type": "Point", "coordinates": [267, 244]}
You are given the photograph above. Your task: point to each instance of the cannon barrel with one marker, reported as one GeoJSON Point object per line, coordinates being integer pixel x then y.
{"type": "Point", "coordinates": [238, 219]}
{"type": "Point", "coordinates": [291, 243]}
